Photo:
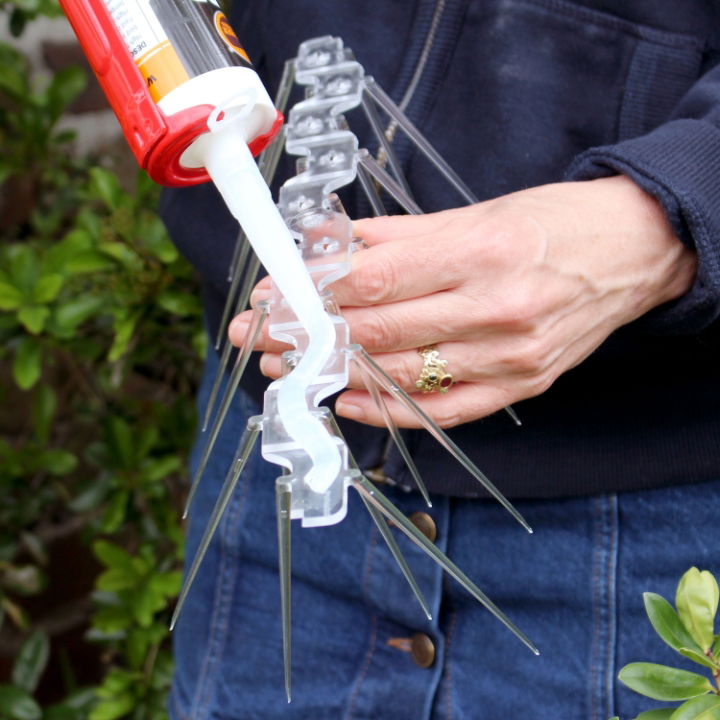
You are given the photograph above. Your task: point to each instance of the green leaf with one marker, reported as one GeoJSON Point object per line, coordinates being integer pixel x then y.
{"type": "Point", "coordinates": [659, 714]}
{"type": "Point", "coordinates": [156, 239]}
{"type": "Point", "coordinates": [105, 186]}
{"type": "Point", "coordinates": [76, 311]}
{"type": "Point", "coordinates": [113, 556]}
{"type": "Point", "coordinates": [117, 707]}
{"type": "Point", "coordinates": [124, 254]}
{"type": "Point", "coordinates": [699, 658]}
{"type": "Point", "coordinates": [58, 462]}
{"type": "Point", "coordinates": [138, 642]}
{"type": "Point", "coordinates": [167, 584]}
{"type": "Point", "coordinates": [115, 512]}
{"type": "Point", "coordinates": [65, 86]}
{"type": "Point", "coordinates": [10, 297]}
{"type": "Point", "coordinates": [697, 602]}
{"type": "Point", "coordinates": [95, 492]}
{"type": "Point", "coordinates": [28, 363]}
{"type": "Point", "coordinates": [667, 623]}
{"type": "Point", "coordinates": [179, 303]}
{"type": "Point", "coordinates": [43, 411]}
{"type": "Point", "coordinates": [33, 317]}
{"type": "Point", "coordinates": [89, 261]}
{"type": "Point", "coordinates": [146, 602]}
{"type": "Point", "coordinates": [13, 73]}
{"type": "Point", "coordinates": [23, 269]}
{"type": "Point", "coordinates": [124, 331]}
{"type": "Point", "coordinates": [663, 683]}
{"type": "Point", "coordinates": [706, 707]}
{"type": "Point", "coordinates": [17, 704]}
{"type": "Point", "coordinates": [31, 661]}
{"type": "Point", "coordinates": [47, 288]}
{"type": "Point", "coordinates": [116, 579]}
{"type": "Point", "coordinates": [158, 469]}
{"type": "Point", "coordinates": [120, 441]}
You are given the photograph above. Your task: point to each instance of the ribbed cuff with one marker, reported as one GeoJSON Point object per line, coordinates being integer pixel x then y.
{"type": "Point", "coordinates": [679, 164]}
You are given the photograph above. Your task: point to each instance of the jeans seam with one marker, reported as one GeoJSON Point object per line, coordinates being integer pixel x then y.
{"type": "Point", "coordinates": [221, 607]}
{"type": "Point", "coordinates": [612, 566]}
{"type": "Point", "coordinates": [366, 667]}
{"type": "Point", "coordinates": [447, 681]}
{"type": "Point", "coordinates": [602, 651]}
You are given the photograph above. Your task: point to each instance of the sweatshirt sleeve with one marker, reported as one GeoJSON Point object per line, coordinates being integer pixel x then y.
{"type": "Point", "coordinates": [678, 162]}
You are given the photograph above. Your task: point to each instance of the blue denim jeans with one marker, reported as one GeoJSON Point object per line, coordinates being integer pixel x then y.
{"type": "Point", "coordinates": [574, 586]}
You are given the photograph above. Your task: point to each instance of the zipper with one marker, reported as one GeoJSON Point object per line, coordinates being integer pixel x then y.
{"type": "Point", "coordinates": [391, 129]}
{"type": "Point", "coordinates": [377, 474]}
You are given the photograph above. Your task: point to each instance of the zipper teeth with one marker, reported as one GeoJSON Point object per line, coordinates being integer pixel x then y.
{"type": "Point", "coordinates": [419, 68]}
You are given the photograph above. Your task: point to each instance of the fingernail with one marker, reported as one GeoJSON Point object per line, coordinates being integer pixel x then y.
{"type": "Point", "coordinates": [258, 295]}
{"type": "Point", "coordinates": [354, 412]}
{"type": "Point", "coordinates": [270, 365]}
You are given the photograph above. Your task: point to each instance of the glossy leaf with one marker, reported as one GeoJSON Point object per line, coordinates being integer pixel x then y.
{"type": "Point", "coordinates": [663, 683]}
{"type": "Point", "coordinates": [124, 330]}
{"type": "Point", "coordinates": [58, 462]}
{"type": "Point", "coordinates": [699, 658]}
{"type": "Point", "coordinates": [179, 303]}
{"type": "Point", "coordinates": [18, 704]}
{"type": "Point", "coordinates": [10, 297]}
{"type": "Point", "coordinates": [106, 186]}
{"type": "Point", "coordinates": [76, 311]}
{"type": "Point", "coordinates": [89, 261]}
{"type": "Point", "coordinates": [33, 317]}
{"type": "Point", "coordinates": [114, 708]}
{"type": "Point", "coordinates": [28, 363]}
{"type": "Point", "coordinates": [47, 288]}
{"type": "Point", "coordinates": [697, 602]}
{"type": "Point", "coordinates": [64, 87]}
{"type": "Point", "coordinates": [31, 661]}
{"type": "Point", "coordinates": [659, 714]}
{"type": "Point", "coordinates": [113, 556]}
{"type": "Point", "coordinates": [706, 707]}
{"type": "Point", "coordinates": [667, 623]}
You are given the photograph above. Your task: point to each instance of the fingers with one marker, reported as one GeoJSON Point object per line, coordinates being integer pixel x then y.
{"type": "Point", "coordinates": [464, 402]}
{"type": "Point", "coordinates": [397, 227]}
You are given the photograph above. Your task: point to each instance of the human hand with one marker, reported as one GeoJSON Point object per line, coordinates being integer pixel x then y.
{"type": "Point", "coordinates": [513, 291]}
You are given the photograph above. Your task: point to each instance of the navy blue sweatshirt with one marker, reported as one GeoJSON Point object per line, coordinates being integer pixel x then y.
{"type": "Point", "coordinates": [518, 93]}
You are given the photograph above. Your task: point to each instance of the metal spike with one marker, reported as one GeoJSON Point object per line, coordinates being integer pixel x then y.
{"type": "Point", "coordinates": [242, 248]}
{"type": "Point", "coordinates": [247, 442]}
{"type": "Point", "coordinates": [283, 500]}
{"type": "Point", "coordinates": [387, 104]}
{"type": "Point", "coordinates": [371, 192]}
{"type": "Point", "coordinates": [376, 498]}
{"type": "Point", "coordinates": [372, 116]}
{"type": "Point", "coordinates": [372, 388]}
{"type": "Point", "coordinates": [380, 522]}
{"type": "Point", "coordinates": [256, 324]}
{"type": "Point", "coordinates": [383, 177]}
{"type": "Point", "coordinates": [362, 359]}
{"type": "Point", "coordinates": [240, 306]}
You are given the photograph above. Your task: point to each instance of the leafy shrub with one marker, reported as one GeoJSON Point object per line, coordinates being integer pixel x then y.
{"type": "Point", "coordinates": [100, 345]}
{"type": "Point", "coordinates": [689, 630]}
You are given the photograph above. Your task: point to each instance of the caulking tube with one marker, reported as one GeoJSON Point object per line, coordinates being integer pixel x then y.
{"type": "Point", "coordinates": [192, 107]}
{"type": "Point", "coordinates": [165, 65]}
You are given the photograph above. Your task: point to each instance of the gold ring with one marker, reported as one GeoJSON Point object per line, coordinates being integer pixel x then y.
{"type": "Point", "coordinates": [433, 376]}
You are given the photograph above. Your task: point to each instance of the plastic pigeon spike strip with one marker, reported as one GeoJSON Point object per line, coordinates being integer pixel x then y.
{"type": "Point", "coordinates": [296, 433]}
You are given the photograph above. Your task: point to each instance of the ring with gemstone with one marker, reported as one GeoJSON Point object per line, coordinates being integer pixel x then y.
{"type": "Point", "coordinates": [433, 375]}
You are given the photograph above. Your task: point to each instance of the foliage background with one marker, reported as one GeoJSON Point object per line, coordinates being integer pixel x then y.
{"type": "Point", "coordinates": [100, 346]}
